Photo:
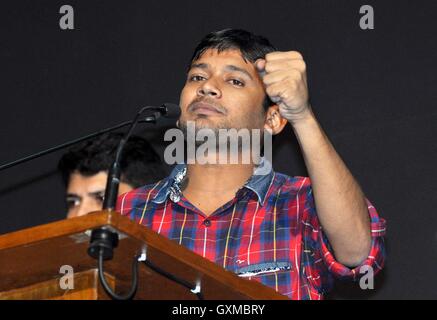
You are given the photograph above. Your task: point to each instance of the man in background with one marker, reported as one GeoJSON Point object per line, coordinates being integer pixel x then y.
{"type": "Point", "coordinates": [84, 170]}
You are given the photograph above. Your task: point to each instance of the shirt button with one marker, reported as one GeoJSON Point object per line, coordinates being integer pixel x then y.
{"type": "Point", "coordinates": [206, 222]}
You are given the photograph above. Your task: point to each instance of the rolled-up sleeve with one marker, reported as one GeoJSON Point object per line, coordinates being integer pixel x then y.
{"type": "Point", "coordinates": [318, 256]}
{"type": "Point", "coordinates": [375, 259]}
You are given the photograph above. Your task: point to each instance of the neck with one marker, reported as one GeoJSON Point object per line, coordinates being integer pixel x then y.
{"type": "Point", "coordinates": [217, 178]}
{"type": "Point", "coordinates": [208, 187]}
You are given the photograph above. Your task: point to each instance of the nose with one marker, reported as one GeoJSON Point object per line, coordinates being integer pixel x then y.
{"type": "Point", "coordinates": [209, 88]}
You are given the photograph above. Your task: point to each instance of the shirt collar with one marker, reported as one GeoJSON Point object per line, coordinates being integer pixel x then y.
{"type": "Point", "coordinates": [259, 182]}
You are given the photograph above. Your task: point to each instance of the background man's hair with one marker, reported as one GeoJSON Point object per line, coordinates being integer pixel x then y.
{"type": "Point", "coordinates": [252, 47]}
{"type": "Point", "coordinates": [140, 163]}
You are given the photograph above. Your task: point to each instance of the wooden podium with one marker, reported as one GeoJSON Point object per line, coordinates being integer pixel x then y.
{"type": "Point", "coordinates": [31, 260]}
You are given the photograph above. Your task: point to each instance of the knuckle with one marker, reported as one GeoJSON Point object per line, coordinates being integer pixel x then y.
{"type": "Point", "coordinates": [296, 54]}
{"type": "Point", "coordinates": [273, 54]}
{"type": "Point", "coordinates": [268, 67]}
{"type": "Point", "coordinates": [268, 79]}
{"type": "Point", "coordinates": [295, 75]}
{"type": "Point", "coordinates": [301, 65]}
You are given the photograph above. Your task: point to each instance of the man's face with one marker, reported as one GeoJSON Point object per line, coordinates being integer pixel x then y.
{"type": "Point", "coordinates": [222, 91]}
{"type": "Point", "coordinates": [85, 193]}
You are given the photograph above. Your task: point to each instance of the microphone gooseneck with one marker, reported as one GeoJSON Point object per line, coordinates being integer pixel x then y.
{"type": "Point", "coordinates": [168, 110]}
{"type": "Point", "coordinates": [103, 240]}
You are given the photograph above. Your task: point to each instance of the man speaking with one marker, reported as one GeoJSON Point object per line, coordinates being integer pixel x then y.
{"type": "Point", "coordinates": [294, 234]}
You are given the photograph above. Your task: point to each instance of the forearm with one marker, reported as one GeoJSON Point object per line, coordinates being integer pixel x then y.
{"type": "Point", "coordinates": [340, 203]}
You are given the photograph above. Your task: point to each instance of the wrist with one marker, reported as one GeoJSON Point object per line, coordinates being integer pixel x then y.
{"type": "Point", "coordinates": [304, 118]}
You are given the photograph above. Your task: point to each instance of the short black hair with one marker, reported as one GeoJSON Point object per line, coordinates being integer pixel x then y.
{"type": "Point", "coordinates": [252, 47]}
{"type": "Point", "coordinates": [140, 164]}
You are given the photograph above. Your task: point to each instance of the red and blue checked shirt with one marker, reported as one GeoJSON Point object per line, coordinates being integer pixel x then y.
{"type": "Point", "coordinates": [269, 232]}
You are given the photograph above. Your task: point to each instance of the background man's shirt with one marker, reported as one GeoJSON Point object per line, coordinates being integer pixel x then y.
{"type": "Point", "coordinates": [269, 232]}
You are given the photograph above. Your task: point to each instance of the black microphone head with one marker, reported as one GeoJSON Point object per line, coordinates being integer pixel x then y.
{"type": "Point", "coordinates": [171, 110]}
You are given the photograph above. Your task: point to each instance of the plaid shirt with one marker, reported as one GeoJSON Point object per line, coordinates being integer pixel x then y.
{"type": "Point", "coordinates": [269, 232]}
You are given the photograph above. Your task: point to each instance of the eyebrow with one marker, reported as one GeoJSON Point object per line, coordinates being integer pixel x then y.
{"type": "Point", "coordinates": [72, 195]}
{"type": "Point", "coordinates": [94, 194]}
{"type": "Point", "coordinates": [229, 67]}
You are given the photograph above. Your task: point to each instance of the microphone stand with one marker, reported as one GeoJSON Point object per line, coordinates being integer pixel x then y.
{"type": "Point", "coordinates": [113, 180]}
{"type": "Point", "coordinates": [150, 119]}
{"type": "Point", "coordinates": [103, 240]}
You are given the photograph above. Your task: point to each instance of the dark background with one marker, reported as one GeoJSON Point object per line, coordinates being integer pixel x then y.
{"type": "Point", "coordinates": [372, 91]}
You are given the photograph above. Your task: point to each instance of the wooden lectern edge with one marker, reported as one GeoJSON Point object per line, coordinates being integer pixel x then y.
{"type": "Point", "coordinates": [152, 239]}
{"type": "Point", "coordinates": [53, 230]}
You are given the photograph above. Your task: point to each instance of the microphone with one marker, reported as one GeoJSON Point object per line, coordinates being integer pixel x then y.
{"type": "Point", "coordinates": [170, 110]}
{"type": "Point", "coordinates": [167, 110]}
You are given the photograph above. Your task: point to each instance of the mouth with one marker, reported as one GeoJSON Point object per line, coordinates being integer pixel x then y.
{"type": "Point", "coordinates": [205, 109]}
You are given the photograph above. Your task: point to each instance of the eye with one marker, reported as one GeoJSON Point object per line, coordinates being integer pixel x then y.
{"type": "Point", "coordinates": [72, 202]}
{"type": "Point", "coordinates": [196, 78]}
{"type": "Point", "coordinates": [237, 82]}
{"type": "Point", "coordinates": [99, 197]}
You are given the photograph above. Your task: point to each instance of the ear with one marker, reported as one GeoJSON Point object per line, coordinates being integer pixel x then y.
{"type": "Point", "coordinates": [274, 122]}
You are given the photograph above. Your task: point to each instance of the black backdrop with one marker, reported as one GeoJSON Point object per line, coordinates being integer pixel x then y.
{"type": "Point", "coordinates": [372, 90]}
